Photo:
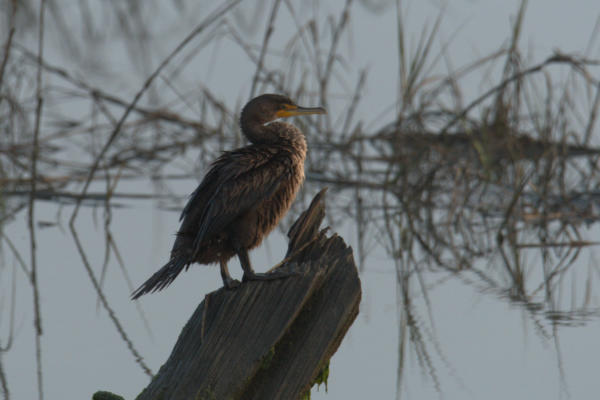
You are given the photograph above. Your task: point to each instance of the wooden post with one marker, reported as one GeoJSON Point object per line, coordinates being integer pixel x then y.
{"type": "Point", "coordinates": [268, 339]}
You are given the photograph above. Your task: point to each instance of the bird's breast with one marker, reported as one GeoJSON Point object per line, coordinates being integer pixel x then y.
{"type": "Point", "coordinates": [267, 215]}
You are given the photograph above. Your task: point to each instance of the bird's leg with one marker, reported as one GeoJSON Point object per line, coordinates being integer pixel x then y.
{"type": "Point", "coordinates": [250, 275]}
{"type": "Point", "coordinates": [228, 281]}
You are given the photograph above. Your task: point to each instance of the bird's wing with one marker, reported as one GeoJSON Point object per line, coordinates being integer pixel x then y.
{"type": "Point", "coordinates": [237, 182]}
{"type": "Point", "coordinates": [200, 196]}
{"type": "Point", "coordinates": [227, 165]}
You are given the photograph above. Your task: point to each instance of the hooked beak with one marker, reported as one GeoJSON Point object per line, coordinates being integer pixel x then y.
{"type": "Point", "coordinates": [293, 109]}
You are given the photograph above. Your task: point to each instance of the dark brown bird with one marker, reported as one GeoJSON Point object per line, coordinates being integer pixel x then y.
{"type": "Point", "coordinates": [242, 197]}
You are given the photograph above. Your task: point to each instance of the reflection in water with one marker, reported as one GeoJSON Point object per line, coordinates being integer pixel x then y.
{"type": "Point", "coordinates": [500, 193]}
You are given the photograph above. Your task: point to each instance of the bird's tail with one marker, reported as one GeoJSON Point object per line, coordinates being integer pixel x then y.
{"type": "Point", "coordinates": [161, 278]}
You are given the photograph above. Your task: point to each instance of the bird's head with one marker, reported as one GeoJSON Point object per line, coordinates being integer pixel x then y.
{"type": "Point", "coordinates": [268, 107]}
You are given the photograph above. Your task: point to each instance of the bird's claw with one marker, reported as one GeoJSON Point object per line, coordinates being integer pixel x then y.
{"type": "Point", "coordinates": [231, 284]}
{"type": "Point", "coordinates": [270, 276]}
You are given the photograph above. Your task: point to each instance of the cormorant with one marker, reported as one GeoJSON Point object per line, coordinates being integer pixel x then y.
{"type": "Point", "coordinates": [242, 197]}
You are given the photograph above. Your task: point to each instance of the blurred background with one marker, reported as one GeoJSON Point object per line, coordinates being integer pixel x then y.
{"type": "Point", "coordinates": [460, 150]}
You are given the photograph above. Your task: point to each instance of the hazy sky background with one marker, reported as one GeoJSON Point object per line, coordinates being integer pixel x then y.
{"type": "Point", "coordinates": [485, 347]}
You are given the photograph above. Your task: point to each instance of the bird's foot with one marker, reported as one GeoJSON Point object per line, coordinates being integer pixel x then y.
{"type": "Point", "coordinates": [231, 283]}
{"type": "Point", "coordinates": [269, 276]}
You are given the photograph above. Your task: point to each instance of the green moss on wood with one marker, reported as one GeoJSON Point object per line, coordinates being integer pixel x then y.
{"type": "Point", "coordinates": [267, 358]}
{"type": "Point", "coordinates": [321, 378]}
{"type": "Point", "coordinates": [206, 394]}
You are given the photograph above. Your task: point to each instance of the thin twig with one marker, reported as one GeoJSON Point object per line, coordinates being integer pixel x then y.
{"type": "Point", "coordinates": [17, 256]}
{"type": "Point", "coordinates": [57, 195]}
{"type": "Point", "coordinates": [112, 315]}
{"type": "Point", "coordinates": [31, 215]}
{"type": "Point", "coordinates": [332, 56]}
{"type": "Point", "coordinates": [3, 381]}
{"type": "Point", "coordinates": [265, 45]}
{"type": "Point", "coordinates": [11, 32]}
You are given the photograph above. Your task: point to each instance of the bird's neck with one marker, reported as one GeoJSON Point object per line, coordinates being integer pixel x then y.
{"type": "Point", "coordinates": [255, 131]}
{"type": "Point", "coordinates": [280, 133]}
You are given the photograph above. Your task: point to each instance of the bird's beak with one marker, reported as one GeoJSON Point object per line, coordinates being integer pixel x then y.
{"type": "Point", "coordinates": [293, 109]}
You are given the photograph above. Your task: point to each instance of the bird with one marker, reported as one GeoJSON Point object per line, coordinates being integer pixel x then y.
{"type": "Point", "coordinates": [242, 197]}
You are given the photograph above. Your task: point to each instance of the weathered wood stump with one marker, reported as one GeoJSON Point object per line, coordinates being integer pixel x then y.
{"type": "Point", "coordinates": [268, 339]}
